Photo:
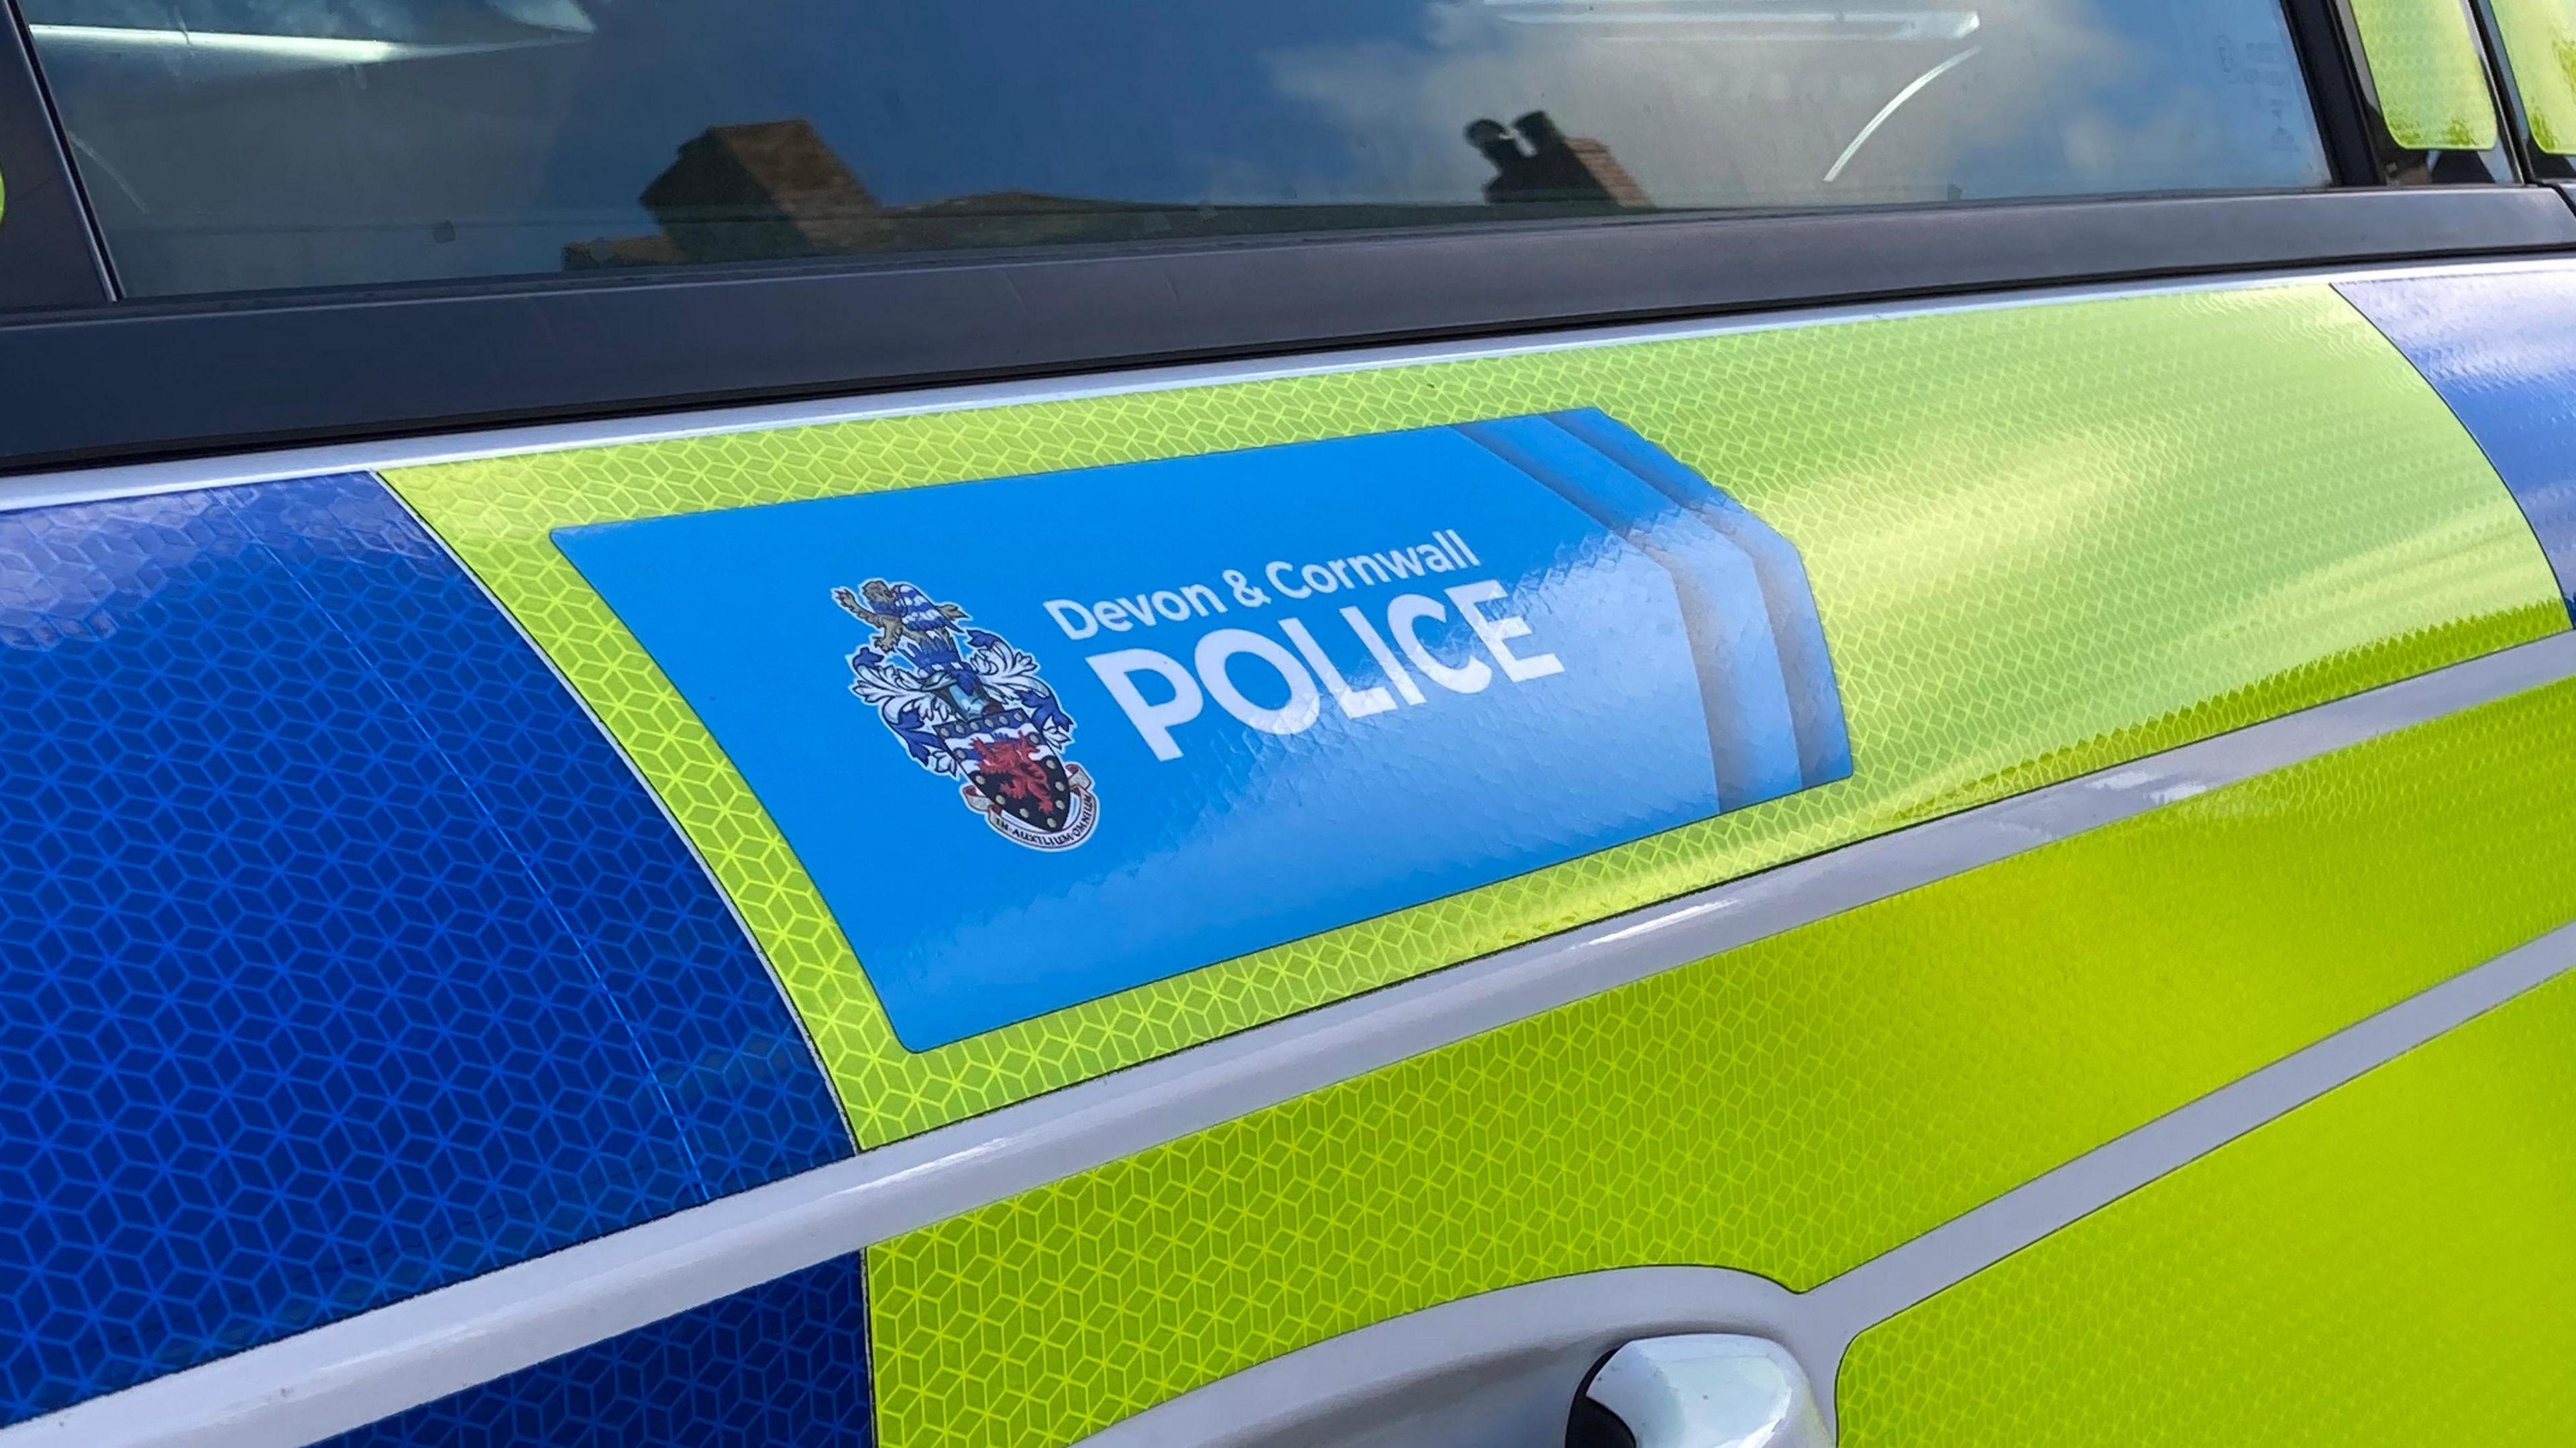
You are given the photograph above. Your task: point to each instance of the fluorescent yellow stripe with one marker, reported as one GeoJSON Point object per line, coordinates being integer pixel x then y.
{"type": "Point", "coordinates": [2426, 70]}
{"type": "Point", "coordinates": [2540, 44]}
{"type": "Point", "coordinates": [1791, 1108]}
{"type": "Point", "coordinates": [2391, 1264]}
{"type": "Point", "coordinates": [2043, 539]}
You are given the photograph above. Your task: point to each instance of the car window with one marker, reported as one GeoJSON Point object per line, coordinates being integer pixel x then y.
{"type": "Point", "coordinates": [244, 144]}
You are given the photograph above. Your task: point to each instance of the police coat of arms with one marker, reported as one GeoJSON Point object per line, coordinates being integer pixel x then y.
{"type": "Point", "coordinates": [969, 706]}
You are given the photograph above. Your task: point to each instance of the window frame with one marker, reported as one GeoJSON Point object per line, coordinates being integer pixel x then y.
{"type": "Point", "coordinates": [49, 253]}
{"type": "Point", "coordinates": [94, 378]}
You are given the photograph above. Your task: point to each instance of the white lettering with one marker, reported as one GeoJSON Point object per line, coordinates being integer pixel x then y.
{"type": "Point", "coordinates": [1112, 617]}
{"type": "Point", "coordinates": [1169, 605]}
{"type": "Point", "coordinates": [1154, 721]}
{"type": "Point", "coordinates": [1058, 607]}
{"type": "Point", "coordinates": [1319, 578]}
{"type": "Point", "coordinates": [1286, 588]}
{"type": "Point", "coordinates": [1498, 632]}
{"type": "Point", "coordinates": [1403, 619]}
{"type": "Point", "coordinates": [1384, 656]}
{"type": "Point", "coordinates": [1203, 599]}
{"type": "Point", "coordinates": [1356, 703]}
{"type": "Point", "coordinates": [1293, 717]}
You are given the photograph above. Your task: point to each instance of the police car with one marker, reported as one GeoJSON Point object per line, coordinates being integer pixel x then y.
{"type": "Point", "coordinates": [1499, 723]}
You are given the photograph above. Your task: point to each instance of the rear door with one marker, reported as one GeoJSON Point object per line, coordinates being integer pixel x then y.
{"type": "Point", "coordinates": [803, 724]}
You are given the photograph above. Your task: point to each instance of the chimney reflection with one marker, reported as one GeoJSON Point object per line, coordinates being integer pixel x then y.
{"type": "Point", "coordinates": [1536, 162]}
{"type": "Point", "coordinates": [775, 190]}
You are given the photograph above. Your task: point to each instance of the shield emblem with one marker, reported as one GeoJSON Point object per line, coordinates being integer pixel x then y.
{"type": "Point", "coordinates": [1018, 775]}
{"type": "Point", "coordinates": [969, 706]}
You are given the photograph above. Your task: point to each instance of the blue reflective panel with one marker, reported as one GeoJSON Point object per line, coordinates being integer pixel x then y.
{"type": "Point", "coordinates": [727, 1052]}
{"type": "Point", "coordinates": [305, 1002]}
{"type": "Point", "coordinates": [781, 1365]}
{"type": "Point", "coordinates": [2501, 349]}
{"type": "Point", "coordinates": [1042, 739]}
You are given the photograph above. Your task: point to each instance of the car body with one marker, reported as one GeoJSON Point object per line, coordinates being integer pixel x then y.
{"type": "Point", "coordinates": [775, 815]}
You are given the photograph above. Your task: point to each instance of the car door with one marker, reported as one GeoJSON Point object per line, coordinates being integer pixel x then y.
{"type": "Point", "coordinates": [1372, 724]}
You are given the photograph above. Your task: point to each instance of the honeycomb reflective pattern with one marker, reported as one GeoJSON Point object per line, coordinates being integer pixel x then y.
{"type": "Point", "coordinates": [2388, 1264]}
{"type": "Point", "coordinates": [2426, 68]}
{"type": "Point", "coordinates": [1791, 1108]}
{"type": "Point", "coordinates": [2540, 44]}
{"type": "Point", "coordinates": [2043, 539]}
{"type": "Point", "coordinates": [781, 1365]}
{"type": "Point", "coordinates": [301, 999]}
{"type": "Point", "coordinates": [727, 1052]}
{"type": "Point", "coordinates": [2501, 349]}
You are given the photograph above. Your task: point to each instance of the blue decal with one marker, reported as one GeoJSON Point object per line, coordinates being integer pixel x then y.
{"type": "Point", "coordinates": [2501, 349]}
{"type": "Point", "coordinates": [1042, 739]}
{"type": "Point", "coordinates": [1742, 691]}
{"type": "Point", "coordinates": [1815, 703]}
{"type": "Point", "coordinates": [341, 956]}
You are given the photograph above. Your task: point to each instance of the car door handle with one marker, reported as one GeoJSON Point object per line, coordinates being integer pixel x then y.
{"type": "Point", "coordinates": [1702, 1390]}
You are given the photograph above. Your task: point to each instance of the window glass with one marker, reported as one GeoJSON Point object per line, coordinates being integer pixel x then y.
{"type": "Point", "coordinates": [232, 144]}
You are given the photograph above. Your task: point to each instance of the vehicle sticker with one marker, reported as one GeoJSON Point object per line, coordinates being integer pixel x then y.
{"type": "Point", "coordinates": [1041, 739]}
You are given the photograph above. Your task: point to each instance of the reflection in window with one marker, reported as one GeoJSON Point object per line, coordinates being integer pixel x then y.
{"type": "Point", "coordinates": [237, 144]}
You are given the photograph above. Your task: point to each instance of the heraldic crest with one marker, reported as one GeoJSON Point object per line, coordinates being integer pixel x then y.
{"type": "Point", "coordinates": [970, 706]}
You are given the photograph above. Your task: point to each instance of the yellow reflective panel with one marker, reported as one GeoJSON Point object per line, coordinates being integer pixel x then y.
{"type": "Point", "coordinates": [2391, 1264]}
{"type": "Point", "coordinates": [2425, 67]}
{"type": "Point", "coordinates": [1791, 1108]}
{"type": "Point", "coordinates": [2540, 44]}
{"type": "Point", "coordinates": [2042, 538]}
